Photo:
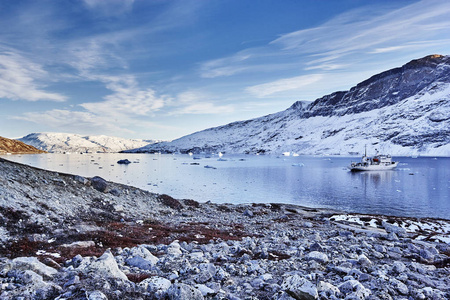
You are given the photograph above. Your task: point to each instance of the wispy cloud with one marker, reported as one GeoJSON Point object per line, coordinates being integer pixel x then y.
{"type": "Point", "coordinates": [362, 31]}
{"type": "Point", "coordinates": [20, 79]}
{"type": "Point", "coordinates": [285, 84]}
{"type": "Point", "coordinates": [195, 102]}
{"type": "Point", "coordinates": [110, 7]}
{"type": "Point", "coordinates": [74, 121]}
{"type": "Point", "coordinates": [221, 67]}
{"type": "Point", "coordinates": [345, 40]}
{"type": "Point", "coordinates": [127, 99]}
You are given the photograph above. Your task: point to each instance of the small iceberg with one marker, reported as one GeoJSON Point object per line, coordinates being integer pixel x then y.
{"type": "Point", "coordinates": [124, 162]}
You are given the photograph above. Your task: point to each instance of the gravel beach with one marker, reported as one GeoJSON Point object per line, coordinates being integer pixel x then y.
{"type": "Point", "coordinates": [68, 237]}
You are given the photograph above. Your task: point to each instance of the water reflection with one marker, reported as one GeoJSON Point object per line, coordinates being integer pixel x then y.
{"type": "Point", "coordinates": [376, 178]}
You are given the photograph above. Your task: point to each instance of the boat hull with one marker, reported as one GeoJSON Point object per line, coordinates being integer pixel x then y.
{"type": "Point", "coordinates": [359, 168]}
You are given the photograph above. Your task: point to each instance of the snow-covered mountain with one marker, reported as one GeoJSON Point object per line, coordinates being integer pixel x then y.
{"type": "Point", "coordinates": [76, 143]}
{"type": "Point", "coordinates": [402, 111]}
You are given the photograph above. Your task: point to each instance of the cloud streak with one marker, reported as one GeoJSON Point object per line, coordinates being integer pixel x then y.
{"type": "Point", "coordinates": [195, 102]}
{"type": "Point", "coordinates": [19, 79]}
{"type": "Point", "coordinates": [285, 84]}
{"type": "Point", "coordinates": [336, 43]}
{"type": "Point", "coordinates": [127, 99]}
{"type": "Point", "coordinates": [74, 121]}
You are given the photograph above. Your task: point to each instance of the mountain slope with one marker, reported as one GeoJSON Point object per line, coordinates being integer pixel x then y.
{"type": "Point", "coordinates": [14, 146]}
{"type": "Point", "coordinates": [65, 142]}
{"type": "Point", "coordinates": [403, 111]}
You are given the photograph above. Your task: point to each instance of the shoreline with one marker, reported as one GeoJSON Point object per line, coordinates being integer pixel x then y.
{"type": "Point", "coordinates": [88, 231]}
{"type": "Point", "coordinates": [179, 188]}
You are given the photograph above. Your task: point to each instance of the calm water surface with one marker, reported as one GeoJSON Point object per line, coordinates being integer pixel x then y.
{"type": "Point", "coordinates": [418, 187]}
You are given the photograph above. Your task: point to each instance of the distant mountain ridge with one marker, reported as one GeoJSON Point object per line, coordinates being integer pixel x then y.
{"type": "Point", "coordinates": [14, 146]}
{"type": "Point", "coordinates": [402, 111]}
{"type": "Point", "coordinates": [76, 143]}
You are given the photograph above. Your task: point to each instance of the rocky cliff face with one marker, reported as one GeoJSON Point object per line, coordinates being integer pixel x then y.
{"type": "Point", "coordinates": [403, 111]}
{"type": "Point", "coordinates": [13, 146]}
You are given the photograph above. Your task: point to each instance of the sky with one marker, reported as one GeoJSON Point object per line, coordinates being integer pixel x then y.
{"type": "Point", "coordinates": [162, 69]}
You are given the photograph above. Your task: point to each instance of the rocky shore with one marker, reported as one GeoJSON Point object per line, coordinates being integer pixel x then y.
{"type": "Point", "coordinates": [68, 237]}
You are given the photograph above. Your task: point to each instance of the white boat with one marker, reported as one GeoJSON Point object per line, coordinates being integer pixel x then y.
{"type": "Point", "coordinates": [376, 163]}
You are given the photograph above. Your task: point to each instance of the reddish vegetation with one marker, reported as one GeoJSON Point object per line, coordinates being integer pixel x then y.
{"type": "Point", "coordinates": [122, 235]}
{"type": "Point", "coordinates": [137, 277]}
{"type": "Point", "coordinates": [14, 146]}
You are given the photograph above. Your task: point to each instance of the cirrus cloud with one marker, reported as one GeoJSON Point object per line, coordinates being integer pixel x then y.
{"type": "Point", "coordinates": [281, 85]}
{"type": "Point", "coordinates": [20, 77]}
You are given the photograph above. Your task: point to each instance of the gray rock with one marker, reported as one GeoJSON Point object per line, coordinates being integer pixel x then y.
{"type": "Point", "coordinates": [174, 249]}
{"type": "Point", "coordinates": [206, 273]}
{"type": "Point", "coordinates": [390, 228]}
{"type": "Point", "coordinates": [32, 263]}
{"type": "Point", "coordinates": [142, 251]}
{"type": "Point", "coordinates": [248, 213]}
{"type": "Point", "coordinates": [317, 256]}
{"type": "Point", "coordinates": [124, 162]}
{"type": "Point", "coordinates": [316, 247]}
{"type": "Point", "coordinates": [431, 293]}
{"type": "Point", "coordinates": [380, 248]}
{"type": "Point", "coordinates": [99, 184]}
{"type": "Point", "coordinates": [157, 286]}
{"type": "Point", "coordinates": [28, 277]}
{"type": "Point", "coordinates": [97, 295]}
{"type": "Point", "coordinates": [180, 291]}
{"type": "Point", "coordinates": [80, 179]}
{"type": "Point", "coordinates": [299, 288]}
{"type": "Point", "coordinates": [105, 266]}
{"type": "Point", "coordinates": [399, 286]}
{"type": "Point", "coordinates": [398, 267]}
{"type": "Point", "coordinates": [206, 291]}
{"type": "Point", "coordinates": [115, 192]}
{"type": "Point", "coordinates": [139, 262]}
{"type": "Point", "coordinates": [364, 261]}
{"type": "Point", "coordinates": [354, 289]}
{"type": "Point", "coordinates": [326, 290]}
{"type": "Point", "coordinates": [426, 254]}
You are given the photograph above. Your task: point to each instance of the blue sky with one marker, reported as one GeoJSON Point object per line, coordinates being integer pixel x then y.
{"type": "Point", "coordinates": [163, 69]}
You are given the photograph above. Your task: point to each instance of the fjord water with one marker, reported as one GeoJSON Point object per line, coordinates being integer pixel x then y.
{"type": "Point", "coordinates": [419, 187]}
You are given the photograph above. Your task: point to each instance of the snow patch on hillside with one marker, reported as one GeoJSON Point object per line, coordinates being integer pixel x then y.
{"type": "Point", "coordinates": [76, 143]}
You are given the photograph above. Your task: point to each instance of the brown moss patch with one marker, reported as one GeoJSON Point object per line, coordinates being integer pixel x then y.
{"type": "Point", "coordinates": [116, 234]}
{"type": "Point", "coordinates": [137, 277]}
{"type": "Point", "coordinates": [170, 201]}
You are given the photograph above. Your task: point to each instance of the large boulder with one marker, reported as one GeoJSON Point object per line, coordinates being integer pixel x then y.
{"type": "Point", "coordinates": [300, 288]}
{"type": "Point", "coordinates": [105, 266]}
{"type": "Point", "coordinates": [99, 184]}
{"type": "Point", "coordinates": [33, 264]}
